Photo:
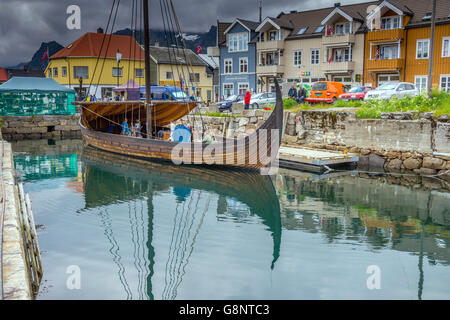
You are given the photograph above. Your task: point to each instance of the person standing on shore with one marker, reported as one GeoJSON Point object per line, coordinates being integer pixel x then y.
{"type": "Point", "coordinates": [248, 97]}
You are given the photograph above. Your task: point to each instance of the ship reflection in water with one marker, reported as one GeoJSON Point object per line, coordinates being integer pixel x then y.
{"type": "Point", "coordinates": [140, 230]}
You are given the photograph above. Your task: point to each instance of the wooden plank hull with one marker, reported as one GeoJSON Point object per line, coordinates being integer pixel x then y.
{"type": "Point", "coordinates": [256, 151]}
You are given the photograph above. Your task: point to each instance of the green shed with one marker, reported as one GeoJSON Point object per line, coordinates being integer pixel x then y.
{"type": "Point", "coordinates": [35, 96]}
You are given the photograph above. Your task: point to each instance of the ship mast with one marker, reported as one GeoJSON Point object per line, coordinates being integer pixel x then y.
{"type": "Point", "coordinates": [147, 70]}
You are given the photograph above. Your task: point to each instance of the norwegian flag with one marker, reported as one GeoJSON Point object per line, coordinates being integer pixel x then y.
{"type": "Point", "coordinates": [45, 55]}
{"type": "Point", "coordinates": [199, 49]}
{"type": "Point", "coordinates": [331, 59]}
{"type": "Point", "coordinates": [330, 30]}
{"type": "Point", "coordinates": [377, 54]}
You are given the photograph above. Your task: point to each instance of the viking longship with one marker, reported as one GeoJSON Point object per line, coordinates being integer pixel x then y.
{"type": "Point", "coordinates": [257, 150]}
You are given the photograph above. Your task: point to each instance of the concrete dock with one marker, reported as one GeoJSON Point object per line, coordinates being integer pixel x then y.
{"type": "Point", "coordinates": [314, 160]}
{"type": "Point", "coordinates": [14, 274]}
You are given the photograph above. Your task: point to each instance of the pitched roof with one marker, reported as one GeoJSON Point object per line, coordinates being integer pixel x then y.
{"type": "Point", "coordinates": [24, 73]}
{"type": "Point", "coordinates": [221, 27]}
{"type": "Point", "coordinates": [252, 25]}
{"type": "Point", "coordinates": [312, 19]}
{"type": "Point", "coordinates": [165, 55]}
{"type": "Point", "coordinates": [418, 10]}
{"type": "Point", "coordinates": [34, 84]}
{"type": "Point", "coordinates": [89, 45]}
{"type": "Point", "coordinates": [213, 62]}
{"type": "Point", "coordinates": [3, 75]}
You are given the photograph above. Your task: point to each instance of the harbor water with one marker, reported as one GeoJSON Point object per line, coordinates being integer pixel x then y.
{"type": "Point", "coordinates": [112, 227]}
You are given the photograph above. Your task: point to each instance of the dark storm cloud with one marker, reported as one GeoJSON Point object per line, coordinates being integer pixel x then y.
{"type": "Point", "coordinates": [25, 24]}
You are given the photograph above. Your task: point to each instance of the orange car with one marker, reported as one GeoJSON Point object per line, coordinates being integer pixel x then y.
{"type": "Point", "coordinates": [326, 91]}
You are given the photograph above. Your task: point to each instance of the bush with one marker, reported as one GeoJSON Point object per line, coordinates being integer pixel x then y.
{"type": "Point", "coordinates": [289, 103]}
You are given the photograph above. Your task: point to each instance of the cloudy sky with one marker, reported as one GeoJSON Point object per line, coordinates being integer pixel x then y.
{"type": "Point", "coordinates": [25, 24]}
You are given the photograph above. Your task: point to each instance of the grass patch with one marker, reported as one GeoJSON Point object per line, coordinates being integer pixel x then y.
{"type": "Point", "coordinates": [439, 103]}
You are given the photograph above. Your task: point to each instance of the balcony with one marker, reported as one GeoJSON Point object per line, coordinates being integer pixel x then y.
{"type": "Point", "coordinates": [270, 45]}
{"type": "Point", "coordinates": [338, 40]}
{"type": "Point", "coordinates": [338, 67]}
{"type": "Point", "coordinates": [269, 69]}
{"type": "Point", "coordinates": [385, 65]}
{"type": "Point", "coordinates": [385, 35]}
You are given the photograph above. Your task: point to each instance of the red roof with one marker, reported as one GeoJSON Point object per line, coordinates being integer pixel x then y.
{"type": "Point", "coordinates": [3, 75]}
{"type": "Point", "coordinates": [89, 46]}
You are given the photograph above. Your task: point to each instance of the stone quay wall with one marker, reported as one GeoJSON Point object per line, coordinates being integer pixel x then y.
{"type": "Point", "coordinates": [40, 127]}
{"type": "Point", "coordinates": [397, 142]}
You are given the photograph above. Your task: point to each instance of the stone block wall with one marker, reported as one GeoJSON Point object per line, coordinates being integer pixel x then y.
{"type": "Point", "coordinates": [40, 127]}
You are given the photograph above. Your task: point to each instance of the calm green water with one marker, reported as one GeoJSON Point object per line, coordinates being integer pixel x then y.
{"type": "Point", "coordinates": [152, 231]}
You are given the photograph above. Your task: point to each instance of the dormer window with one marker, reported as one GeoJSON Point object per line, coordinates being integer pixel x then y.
{"type": "Point", "coordinates": [238, 42]}
{"type": "Point", "coordinates": [302, 31]}
{"type": "Point", "coordinates": [343, 28]}
{"type": "Point", "coordinates": [389, 23]}
{"type": "Point", "coordinates": [272, 35]}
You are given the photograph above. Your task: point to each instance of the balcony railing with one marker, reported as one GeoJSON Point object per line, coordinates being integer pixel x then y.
{"type": "Point", "coordinates": [385, 64]}
{"type": "Point", "coordinates": [345, 66]}
{"type": "Point", "coordinates": [386, 35]}
{"type": "Point", "coordinates": [270, 69]}
{"type": "Point", "coordinates": [338, 39]}
{"type": "Point", "coordinates": [270, 45]}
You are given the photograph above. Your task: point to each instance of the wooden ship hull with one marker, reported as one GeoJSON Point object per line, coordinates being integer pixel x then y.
{"type": "Point", "coordinates": [250, 152]}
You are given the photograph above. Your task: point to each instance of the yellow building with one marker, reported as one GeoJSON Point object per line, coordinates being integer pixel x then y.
{"type": "Point", "coordinates": [78, 64]}
{"type": "Point", "coordinates": [181, 68]}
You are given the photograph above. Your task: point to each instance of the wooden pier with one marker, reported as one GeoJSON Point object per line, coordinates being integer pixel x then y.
{"type": "Point", "coordinates": [314, 160]}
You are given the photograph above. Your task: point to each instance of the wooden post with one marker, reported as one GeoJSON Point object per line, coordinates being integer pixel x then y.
{"type": "Point", "coordinates": [147, 70]}
{"type": "Point", "coordinates": [431, 54]}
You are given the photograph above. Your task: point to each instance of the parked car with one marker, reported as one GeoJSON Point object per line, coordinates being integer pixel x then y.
{"type": "Point", "coordinates": [169, 93]}
{"type": "Point", "coordinates": [259, 100]}
{"type": "Point", "coordinates": [389, 90]}
{"type": "Point", "coordinates": [356, 93]}
{"type": "Point", "coordinates": [326, 91]}
{"type": "Point", "coordinates": [228, 102]}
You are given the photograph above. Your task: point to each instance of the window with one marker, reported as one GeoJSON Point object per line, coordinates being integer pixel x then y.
{"type": "Point", "coordinates": [243, 87]}
{"type": "Point", "coordinates": [421, 82]}
{"type": "Point", "coordinates": [389, 23]}
{"type": "Point", "coordinates": [228, 64]}
{"type": "Point", "coordinates": [228, 89]}
{"type": "Point", "coordinates": [194, 77]}
{"type": "Point", "coordinates": [107, 92]}
{"type": "Point", "coordinates": [272, 35]}
{"type": "Point", "coordinates": [261, 37]}
{"type": "Point", "coordinates": [389, 52]}
{"type": "Point", "coordinates": [80, 72]}
{"type": "Point", "coordinates": [49, 72]}
{"type": "Point", "coordinates": [243, 65]}
{"type": "Point", "coordinates": [343, 28]}
{"type": "Point", "coordinates": [55, 72]}
{"type": "Point", "coordinates": [297, 58]}
{"type": "Point", "coordinates": [238, 42]}
{"type": "Point", "coordinates": [446, 47]}
{"type": "Point", "coordinates": [117, 72]}
{"type": "Point", "coordinates": [422, 49]}
{"type": "Point", "coordinates": [445, 83]}
{"type": "Point", "coordinates": [139, 73]}
{"type": "Point", "coordinates": [427, 16]}
{"type": "Point", "coordinates": [169, 75]}
{"type": "Point", "coordinates": [341, 55]}
{"type": "Point", "coordinates": [64, 71]}
{"type": "Point", "coordinates": [302, 30]}
{"type": "Point", "coordinates": [319, 29]}
{"type": "Point", "coordinates": [315, 56]}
